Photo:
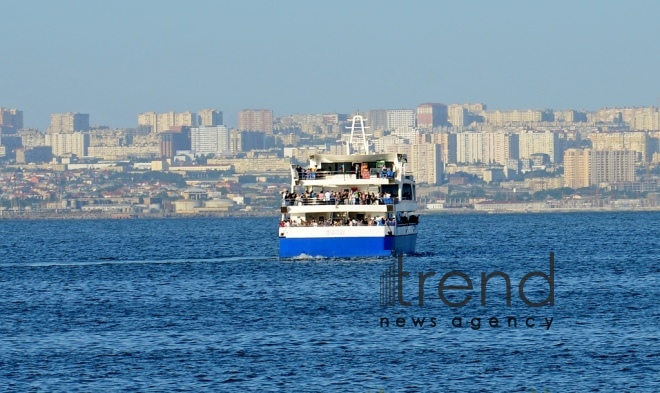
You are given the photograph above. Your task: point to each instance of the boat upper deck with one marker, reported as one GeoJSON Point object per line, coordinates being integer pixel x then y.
{"type": "Point", "coordinates": [343, 178]}
{"type": "Point", "coordinates": [360, 169]}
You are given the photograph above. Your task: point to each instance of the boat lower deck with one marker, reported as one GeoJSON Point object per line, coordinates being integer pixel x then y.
{"type": "Point", "coordinates": [347, 246]}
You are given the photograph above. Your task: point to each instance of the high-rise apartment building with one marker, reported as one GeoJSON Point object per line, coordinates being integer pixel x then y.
{"type": "Point", "coordinates": [476, 108]}
{"type": "Point", "coordinates": [209, 118]}
{"type": "Point", "coordinates": [165, 121]}
{"type": "Point", "coordinates": [380, 145]}
{"type": "Point", "coordinates": [500, 147]}
{"type": "Point", "coordinates": [639, 118]}
{"type": "Point", "coordinates": [587, 167]}
{"type": "Point", "coordinates": [469, 147]}
{"type": "Point", "coordinates": [243, 141]}
{"type": "Point", "coordinates": [457, 115]}
{"type": "Point", "coordinates": [162, 122]}
{"type": "Point", "coordinates": [397, 118]}
{"type": "Point", "coordinates": [36, 154]}
{"type": "Point", "coordinates": [448, 143]}
{"type": "Point", "coordinates": [334, 118]}
{"type": "Point", "coordinates": [638, 142]}
{"type": "Point", "coordinates": [186, 119]}
{"type": "Point", "coordinates": [576, 168]}
{"type": "Point", "coordinates": [9, 145]}
{"type": "Point", "coordinates": [68, 143]}
{"type": "Point", "coordinates": [516, 117]}
{"type": "Point", "coordinates": [377, 119]}
{"type": "Point", "coordinates": [256, 120]}
{"type": "Point", "coordinates": [478, 147]}
{"type": "Point", "coordinates": [148, 120]}
{"type": "Point", "coordinates": [209, 140]}
{"type": "Point", "coordinates": [431, 115]}
{"type": "Point", "coordinates": [409, 133]}
{"type": "Point", "coordinates": [68, 123]}
{"type": "Point", "coordinates": [424, 161]}
{"type": "Point", "coordinates": [175, 139]}
{"type": "Point", "coordinates": [646, 121]}
{"type": "Point", "coordinates": [570, 116]}
{"type": "Point", "coordinates": [11, 120]}
{"type": "Point", "coordinates": [611, 166]}
{"type": "Point", "coordinates": [32, 138]}
{"type": "Point", "coordinates": [546, 142]}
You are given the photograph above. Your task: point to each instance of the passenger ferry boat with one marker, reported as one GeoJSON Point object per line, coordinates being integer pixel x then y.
{"type": "Point", "coordinates": [353, 205]}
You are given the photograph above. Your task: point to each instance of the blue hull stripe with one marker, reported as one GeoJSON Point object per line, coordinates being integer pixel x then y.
{"type": "Point", "coordinates": [333, 247]}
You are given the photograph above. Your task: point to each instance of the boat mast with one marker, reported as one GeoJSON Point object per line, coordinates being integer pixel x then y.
{"type": "Point", "coordinates": [360, 140]}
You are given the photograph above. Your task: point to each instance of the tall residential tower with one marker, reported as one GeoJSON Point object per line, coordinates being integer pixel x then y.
{"type": "Point", "coordinates": [256, 120]}
{"type": "Point", "coordinates": [68, 123]}
{"type": "Point", "coordinates": [431, 115]}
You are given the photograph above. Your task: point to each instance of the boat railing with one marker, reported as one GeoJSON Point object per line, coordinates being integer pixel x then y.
{"type": "Point", "coordinates": [317, 175]}
{"type": "Point", "coordinates": [328, 223]}
{"type": "Point", "coordinates": [403, 222]}
{"type": "Point", "coordinates": [337, 201]}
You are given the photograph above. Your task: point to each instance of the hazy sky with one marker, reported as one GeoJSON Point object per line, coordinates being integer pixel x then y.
{"type": "Point", "coordinates": [115, 59]}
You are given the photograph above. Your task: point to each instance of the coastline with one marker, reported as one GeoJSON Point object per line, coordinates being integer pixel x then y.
{"type": "Point", "coordinates": [76, 215]}
{"type": "Point", "coordinates": [542, 211]}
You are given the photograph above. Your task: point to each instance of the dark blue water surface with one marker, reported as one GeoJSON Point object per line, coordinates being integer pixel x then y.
{"type": "Point", "coordinates": [205, 304]}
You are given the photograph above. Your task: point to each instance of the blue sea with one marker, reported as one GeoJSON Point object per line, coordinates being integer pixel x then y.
{"type": "Point", "coordinates": [206, 305]}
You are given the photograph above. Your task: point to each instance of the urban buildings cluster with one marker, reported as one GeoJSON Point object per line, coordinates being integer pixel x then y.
{"type": "Point", "coordinates": [446, 144]}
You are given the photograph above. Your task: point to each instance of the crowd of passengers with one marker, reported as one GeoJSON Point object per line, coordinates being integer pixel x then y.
{"type": "Point", "coordinates": [336, 223]}
{"type": "Point", "coordinates": [336, 198]}
{"type": "Point", "coordinates": [374, 221]}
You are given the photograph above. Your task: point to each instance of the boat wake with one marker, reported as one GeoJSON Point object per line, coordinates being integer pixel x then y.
{"type": "Point", "coordinates": [114, 261]}
{"type": "Point", "coordinates": [304, 256]}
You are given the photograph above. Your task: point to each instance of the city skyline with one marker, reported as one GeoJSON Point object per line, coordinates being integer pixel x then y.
{"type": "Point", "coordinates": [295, 57]}
{"type": "Point", "coordinates": [400, 117]}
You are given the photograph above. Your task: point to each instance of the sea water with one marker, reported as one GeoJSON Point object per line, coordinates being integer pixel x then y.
{"type": "Point", "coordinates": [206, 305]}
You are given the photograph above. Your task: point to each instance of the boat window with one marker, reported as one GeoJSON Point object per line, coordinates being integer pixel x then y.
{"type": "Point", "coordinates": [389, 189]}
{"type": "Point", "coordinates": [406, 191]}
{"type": "Point", "coordinates": [344, 167]}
